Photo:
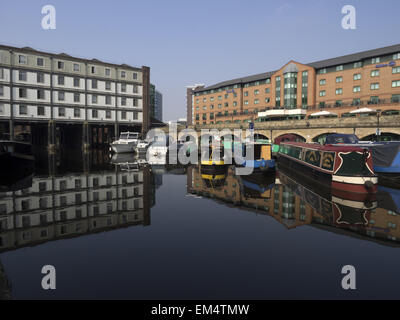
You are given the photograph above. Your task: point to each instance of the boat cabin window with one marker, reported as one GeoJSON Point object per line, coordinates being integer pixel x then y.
{"type": "Point", "coordinates": [129, 135]}
{"type": "Point", "coordinates": [313, 157]}
{"type": "Point", "coordinates": [328, 160]}
{"type": "Point", "coordinates": [291, 151]}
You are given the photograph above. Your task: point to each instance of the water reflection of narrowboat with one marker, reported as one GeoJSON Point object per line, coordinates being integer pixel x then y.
{"type": "Point", "coordinates": [344, 168]}
{"type": "Point", "coordinates": [257, 185]}
{"type": "Point", "coordinates": [334, 210]}
{"type": "Point", "coordinates": [213, 181]}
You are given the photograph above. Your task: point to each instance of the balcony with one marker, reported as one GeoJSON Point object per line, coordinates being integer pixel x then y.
{"type": "Point", "coordinates": [395, 101]}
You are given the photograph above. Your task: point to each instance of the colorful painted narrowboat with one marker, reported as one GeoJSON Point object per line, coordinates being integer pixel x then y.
{"type": "Point", "coordinates": [385, 155]}
{"type": "Point", "coordinates": [343, 168]}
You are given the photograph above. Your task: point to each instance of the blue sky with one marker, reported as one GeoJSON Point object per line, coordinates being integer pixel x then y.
{"type": "Point", "coordinates": [187, 42]}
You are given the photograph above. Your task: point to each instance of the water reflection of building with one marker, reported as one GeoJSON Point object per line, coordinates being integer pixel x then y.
{"type": "Point", "coordinates": [5, 285]}
{"type": "Point", "coordinates": [74, 204]}
{"type": "Point", "coordinates": [294, 205]}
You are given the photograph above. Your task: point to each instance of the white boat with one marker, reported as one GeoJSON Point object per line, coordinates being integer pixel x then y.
{"type": "Point", "coordinates": [126, 143]}
{"type": "Point", "coordinates": [142, 146]}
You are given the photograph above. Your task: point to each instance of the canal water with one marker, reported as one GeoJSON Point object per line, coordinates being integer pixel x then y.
{"type": "Point", "coordinates": [113, 228]}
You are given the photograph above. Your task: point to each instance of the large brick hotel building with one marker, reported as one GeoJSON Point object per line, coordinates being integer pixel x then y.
{"type": "Point", "coordinates": [338, 86]}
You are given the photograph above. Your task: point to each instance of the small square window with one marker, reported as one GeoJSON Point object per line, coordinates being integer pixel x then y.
{"type": "Point", "coordinates": [22, 59]}
{"type": "Point", "coordinates": [22, 75]}
{"type": "Point", "coordinates": [40, 111]}
{"type": "Point", "coordinates": [23, 110]}
{"type": "Point", "coordinates": [40, 62]}
{"type": "Point", "coordinates": [40, 77]}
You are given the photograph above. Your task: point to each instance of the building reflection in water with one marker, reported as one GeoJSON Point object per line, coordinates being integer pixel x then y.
{"type": "Point", "coordinates": [293, 203]}
{"type": "Point", "coordinates": [72, 195]}
{"type": "Point", "coordinates": [63, 203]}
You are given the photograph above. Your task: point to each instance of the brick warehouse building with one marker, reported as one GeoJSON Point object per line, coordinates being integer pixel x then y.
{"type": "Point", "coordinates": [368, 81]}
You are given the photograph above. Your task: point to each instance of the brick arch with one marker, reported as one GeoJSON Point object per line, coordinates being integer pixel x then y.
{"type": "Point", "coordinates": [372, 137]}
{"type": "Point", "coordinates": [364, 132]}
{"type": "Point", "coordinates": [299, 137]}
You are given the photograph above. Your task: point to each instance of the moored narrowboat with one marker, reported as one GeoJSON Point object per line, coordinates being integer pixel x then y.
{"type": "Point", "coordinates": [261, 152]}
{"type": "Point", "coordinates": [344, 168]}
{"type": "Point", "coordinates": [212, 160]}
{"type": "Point", "coordinates": [385, 155]}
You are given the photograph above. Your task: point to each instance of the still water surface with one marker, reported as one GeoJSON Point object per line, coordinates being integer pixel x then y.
{"type": "Point", "coordinates": [162, 232]}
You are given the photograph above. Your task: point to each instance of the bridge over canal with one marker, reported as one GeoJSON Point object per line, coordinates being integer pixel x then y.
{"type": "Point", "coordinates": [311, 130]}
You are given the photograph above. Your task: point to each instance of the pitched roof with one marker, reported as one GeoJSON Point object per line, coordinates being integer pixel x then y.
{"type": "Point", "coordinates": [256, 77]}
{"type": "Point", "coordinates": [66, 56]}
{"type": "Point", "coordinates": [355, 57]}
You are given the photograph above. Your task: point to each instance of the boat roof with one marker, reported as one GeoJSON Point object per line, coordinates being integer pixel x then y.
{"type": "Point", "coordinates": [326, 147]}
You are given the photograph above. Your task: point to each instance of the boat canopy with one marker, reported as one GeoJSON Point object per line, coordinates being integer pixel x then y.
{"type": "Point", "coordinates": [341, 138]}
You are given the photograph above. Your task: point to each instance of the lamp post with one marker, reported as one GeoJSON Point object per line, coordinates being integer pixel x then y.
{"type": "Point", "coordinates": [378, 131]}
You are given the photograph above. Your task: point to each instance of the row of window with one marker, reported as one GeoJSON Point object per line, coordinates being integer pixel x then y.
{"type": "Point", "coordinates": [40, 111]}
{"type": "Point", "coordinates": [246, 102]}
{"type": "Point", "coordinates": [246, 94]}
{"type": "Point", "coordinates": [22, 76]}
{"type": "Point", "coordinates": [359, 64]}
{"type": "Point", "coordinates": [62, 184]}
{"type": "Point", "coordinates": [22, 59]}
{"type": "Point", "coordinates": [357, 76]}
{"type": "Point", "coordinates": [373, 86]}
{"type": "Point", "coordinates": [41, 95]}
{"type": "Point", "coordinates": [235, 86]}
{"type": "Point", "coordinates": [226, 113]}
{"type": "Point", "coordinates": [44, 203]}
